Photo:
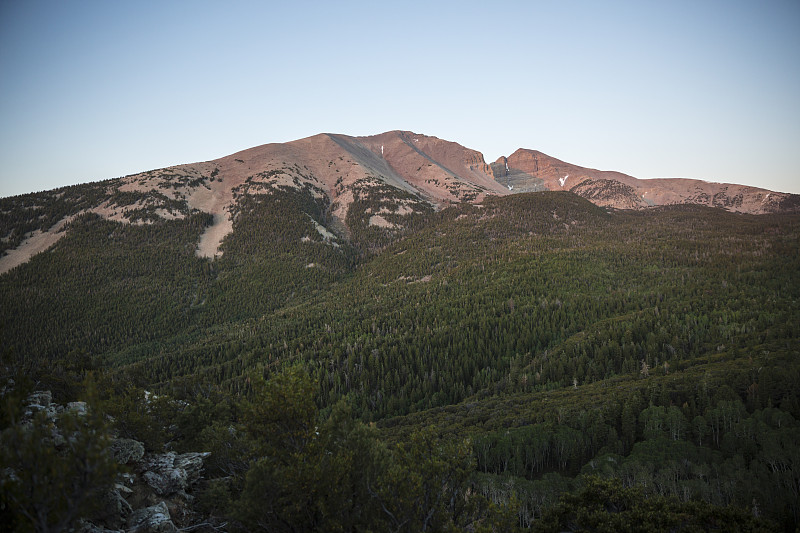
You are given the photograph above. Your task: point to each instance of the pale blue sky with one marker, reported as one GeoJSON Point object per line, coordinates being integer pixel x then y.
{"type": "Point", "coordinates": [96, 90]}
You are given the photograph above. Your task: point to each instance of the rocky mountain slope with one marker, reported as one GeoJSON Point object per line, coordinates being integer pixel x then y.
{"type": "Point", "coordinates": [390, 178]}
{"type": "Point", "coordinates": [529, 170]}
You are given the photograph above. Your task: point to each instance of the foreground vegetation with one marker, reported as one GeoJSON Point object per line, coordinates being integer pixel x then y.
{"type": "Point", "coordinates": [534, 362]}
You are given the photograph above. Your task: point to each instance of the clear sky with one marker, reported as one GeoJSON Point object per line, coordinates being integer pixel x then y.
{"type": "Point", "coordinates": [95, 90]}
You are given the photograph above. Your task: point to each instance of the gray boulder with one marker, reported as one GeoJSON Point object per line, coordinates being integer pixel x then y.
{"type": "Point", "coordinates": [127, 450]}
{"type": "Point", "coordinates": [79, 408]}
{"type": "Point", "coordinates": [41, 400]}
{"type": "Point", "coordinates": [169, 473]}
{"type": "Point", "coordinates": [192, 464]}
{"type": "Point", "coordinates": [114, 507]}
{"type": "Point", "coordinates": [154, 519]}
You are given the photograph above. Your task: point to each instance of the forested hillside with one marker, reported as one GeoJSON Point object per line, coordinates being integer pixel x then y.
{"type": "Point", "coordinates": [498, 365]}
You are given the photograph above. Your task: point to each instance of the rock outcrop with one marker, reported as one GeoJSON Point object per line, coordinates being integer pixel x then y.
{"type": "Point", "coordinates": [152, 492]}
{"type": "Point", "coordinates": [170, 473]}
{"type": "Point", "coordinates": [153, 519]}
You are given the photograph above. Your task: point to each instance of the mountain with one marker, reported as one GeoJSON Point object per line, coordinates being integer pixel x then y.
{"type": "Point", "coordinates": [336, 317]}
{"type": "Point", "coordinates": [400, 174]}
{"type": "Point", "coordinates": [529, 170]}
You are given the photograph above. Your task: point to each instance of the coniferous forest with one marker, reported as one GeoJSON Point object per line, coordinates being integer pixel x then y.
{"type": "Point", "coordinates": [530, 363]}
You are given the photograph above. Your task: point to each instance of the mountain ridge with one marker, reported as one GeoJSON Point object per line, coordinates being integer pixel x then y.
{"type": "Point", "coordinates": [339, 170]}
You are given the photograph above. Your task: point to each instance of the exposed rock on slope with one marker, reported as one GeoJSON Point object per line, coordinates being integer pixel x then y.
{"type": "Point", "coordinates": [442, 171]}
{"type": "Point", "coordinates": [532, 170]}
{"type": "Point", "coordinates": [337, 169]}
{"type": "Point", "coordinates": [414, 172]}
{"type": "Point", "coordinates": [151, 498]}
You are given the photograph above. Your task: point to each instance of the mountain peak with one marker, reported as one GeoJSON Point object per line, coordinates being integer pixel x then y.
{"type": "Point", "coordinates": [391, 177]}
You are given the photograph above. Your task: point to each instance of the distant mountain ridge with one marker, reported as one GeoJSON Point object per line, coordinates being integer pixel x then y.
{"type": "Point", "coordinates": [421, 172]}
{"type": "Point", "coordinates": [532, 170]}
